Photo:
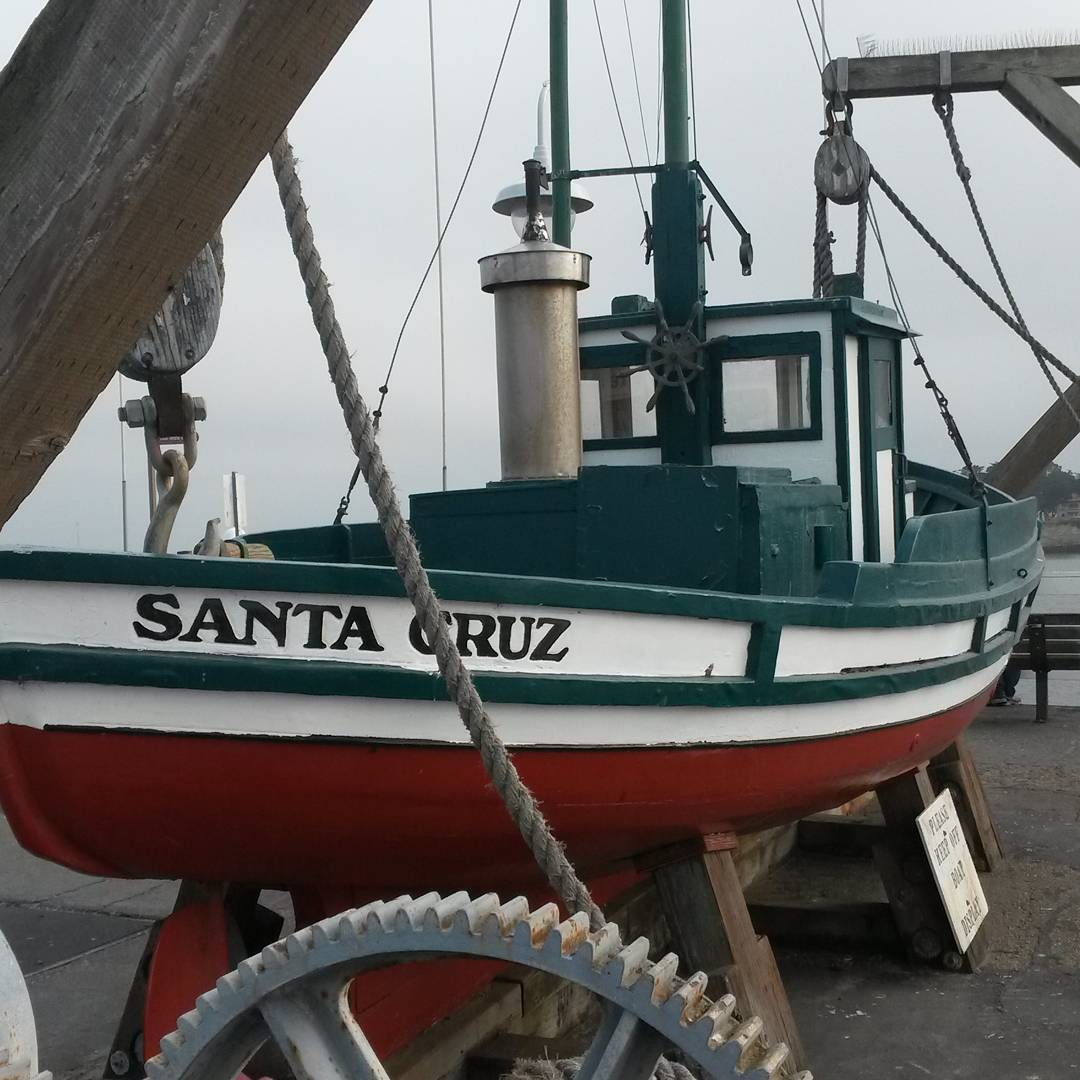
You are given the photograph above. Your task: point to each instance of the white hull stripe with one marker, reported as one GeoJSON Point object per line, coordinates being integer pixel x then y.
{"type": "Point", "coordinates": [145, 709]}
{"type": "Point", "coordinates": [378, 630]}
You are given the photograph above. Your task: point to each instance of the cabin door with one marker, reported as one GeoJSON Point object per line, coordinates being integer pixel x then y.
{"type": "Point", "coordinates": [880, 445]}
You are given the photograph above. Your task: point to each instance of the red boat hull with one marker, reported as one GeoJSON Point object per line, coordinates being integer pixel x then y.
{"type": "Point", "coordinates": [378, 820]}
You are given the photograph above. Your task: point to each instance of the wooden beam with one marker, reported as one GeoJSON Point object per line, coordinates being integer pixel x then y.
{"type": "Point", "coordinates": [900, 76]}
{"type": "Point", "coordinates": [1054, 111]}
{"type": "Point", "coordinates": [1040, 445]}
{"type": "Point", "coordinates": [127, 130]}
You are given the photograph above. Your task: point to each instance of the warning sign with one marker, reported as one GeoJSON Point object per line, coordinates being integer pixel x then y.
{"type": "Point", "coordinates": [950, 860]}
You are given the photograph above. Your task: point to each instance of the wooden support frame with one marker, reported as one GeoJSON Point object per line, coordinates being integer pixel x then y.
{"type": "Point", "coordinates": [969, 71]}
{"type": "Point", "coordinates": [702, 899]}
{"type": "Point", "coordinates": [914, 918]}
{"type": "Point", "coordinates": [905, 872]}
{"type": "Point", "coordinates": [1031, 80]}
{"type": "Point", "coordinates": [127, 130]}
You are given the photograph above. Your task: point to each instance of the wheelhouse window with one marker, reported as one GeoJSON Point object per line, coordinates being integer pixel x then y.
{"type": "Point", "coordinates": [881, 374]}
{"type": "Point", "coordinates": [766, 393]}
{"type": "Point", "coordinates": [613, 402]}
{"type": "Point", "coordinates": [766, 388]}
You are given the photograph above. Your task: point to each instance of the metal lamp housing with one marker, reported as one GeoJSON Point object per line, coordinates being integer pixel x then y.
{"type": "Point", "coordinates": [535, 286]}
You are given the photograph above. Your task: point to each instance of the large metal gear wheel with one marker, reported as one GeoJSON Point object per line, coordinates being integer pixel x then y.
{"type": "Point", "coordinates": [294, 994]}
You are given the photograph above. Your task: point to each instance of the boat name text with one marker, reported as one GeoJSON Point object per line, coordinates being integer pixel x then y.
{"type": "Point", "coordinates": [336, 626]}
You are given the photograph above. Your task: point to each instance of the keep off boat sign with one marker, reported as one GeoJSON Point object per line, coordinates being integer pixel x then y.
{"type": "Point", "coordinates": [950, 860]}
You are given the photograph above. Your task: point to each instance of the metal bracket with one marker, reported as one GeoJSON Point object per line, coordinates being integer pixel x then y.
{"type": "Point", "coordinates": [945, 69]}
{"type": "Point", "coordinates": [746, 246]}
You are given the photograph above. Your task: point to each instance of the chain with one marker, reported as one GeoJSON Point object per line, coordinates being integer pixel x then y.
{"type": "Point", "coordinates": [943, 106]}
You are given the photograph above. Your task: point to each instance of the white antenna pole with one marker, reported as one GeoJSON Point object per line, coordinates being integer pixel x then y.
{"type": "Point", "coordinates": [123, 466]}
{"type": "Point", "coordinates": [542, 150]}
{"type": "Point", "coordinates": [438, 236]}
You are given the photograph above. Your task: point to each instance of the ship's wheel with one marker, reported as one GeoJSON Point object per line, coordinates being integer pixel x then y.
{"type": "Point", "coordinates": [294, 994]}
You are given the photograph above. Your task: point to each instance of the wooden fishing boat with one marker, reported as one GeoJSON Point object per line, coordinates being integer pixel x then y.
{"type": "Point", "coordinates": [710, 593]}
{"type": "Point", "coordinates": [669, 649]}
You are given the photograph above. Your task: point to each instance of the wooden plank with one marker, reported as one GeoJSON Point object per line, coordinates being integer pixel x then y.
{"type": "Point", "coordinates": [1050, 108]}
{"type": "Point", "coordinates": [711, 930]}
{"type": "Point", "coordinates": [984, 69]}
{"type": "Point", "coordinates": [901, 861]}
{"type": "Point", "coordinates": [1024, 463]}
{"type": "Point", "coordinates": [822, 925]}
{"type": "Point", "coordinates": [955, 768]}
{"type": "Point", "coordinates": [127, 130]}
{"type": "Point", "coordinates": [839, 834]}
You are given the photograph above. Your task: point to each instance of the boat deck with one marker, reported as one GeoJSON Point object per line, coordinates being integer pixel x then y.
{"type": "Point", "coordinates": [79, 939]}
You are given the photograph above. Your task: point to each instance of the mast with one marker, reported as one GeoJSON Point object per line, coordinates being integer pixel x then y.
{"type": "Point", "coordinates": [679, 266]}
{"type": "Point", "coordinates": [560, 122]}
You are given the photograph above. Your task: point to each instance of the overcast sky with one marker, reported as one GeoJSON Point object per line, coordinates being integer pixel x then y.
{"type": "Point", "coordinates": [364, 139]}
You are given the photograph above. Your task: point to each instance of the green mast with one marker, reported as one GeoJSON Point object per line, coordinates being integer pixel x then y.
{"type": "Point", "coordinates": [560, 122]}
{"type": "Point", "coordinates": [679, 264]}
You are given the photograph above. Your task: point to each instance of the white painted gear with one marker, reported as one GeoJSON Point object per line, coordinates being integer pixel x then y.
{"type": "Point", "coordinates": [18, 1034]}
{"type": "Point", "coordinates": [294, 993]}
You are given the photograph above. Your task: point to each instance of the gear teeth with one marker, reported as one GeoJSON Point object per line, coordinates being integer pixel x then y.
{"type": "Point", "coordinates": [662, 976]}
{"type": "Point", "coordinates": [604, 945]}
{"type": "Point", "coordinates": [156, 1069]}
{"type": "Point", "coordinates": [569, 935]}
{"type": "Point", "coordinates": [249, 971]}
{"type": "Point", "coordinates": [538, 924]}
{"type": "Point", "coordinates": [441, 914]}
{"type": "Point", "coordinates": [411, 915]}
{"type": "Point", "coordinates": [172, 1048]}
{"type": "Point", "coordinates": [631, 962]}
{"type": "Point", "coordinates": [510, 914]}
{"type": "Point", "coordinates": [298, 944]}
{"type": "Point", "coordinates": [745, 1037]}
{"type": "Point", "coordinates": [688, 1003]}
{"type": "Point", "coordinates": [381, 916]}
{"type": "Point", "coordinates": [275, 956]}
{"type": "Point", "coordinates": [325, 933]}
{"type": "Point", "coordinates": [471, 917]}
{"type": "Point", "coordinates": [188, 1025]}
{"type": "Point", "coordinates": [717, 1021]}
{"type": "Point", "coordinates": [771, 1064]}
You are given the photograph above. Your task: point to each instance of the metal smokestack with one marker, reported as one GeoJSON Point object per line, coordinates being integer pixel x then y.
{"type": "Point", "coordinates": [535, 285]}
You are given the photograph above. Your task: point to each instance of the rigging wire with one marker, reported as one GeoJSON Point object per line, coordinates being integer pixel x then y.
{"type": "Point", "coordinates": [343, 506]}
{"type": "Point", "coordinates": [693, 92]}
{"type": "Point", "coordinates": [615, 100]}
{"type": "Point", "coordinates": [438, 234]}
{"type": "Point", "coordinates": [809, 36]}
{"type": "Point", "coordinates": [659, 74]}
{"type": "Point", "coordinates": [637, 84]}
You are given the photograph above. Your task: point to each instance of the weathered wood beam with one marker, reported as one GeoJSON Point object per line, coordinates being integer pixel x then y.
{"type": "Point", "coordinates": [1054, 111]}
{"type": "Point", "coordinates": [127, 130]}
{"type": "Point", "coordinates": [900, 76]}
{"type": "Point", "coordinates": [1040, 445]}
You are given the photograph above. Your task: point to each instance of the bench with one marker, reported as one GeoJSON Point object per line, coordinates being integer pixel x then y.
{"type": "Point", "coordinates": [1050, 643]}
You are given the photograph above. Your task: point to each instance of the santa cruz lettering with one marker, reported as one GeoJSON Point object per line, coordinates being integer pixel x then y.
{"type": "Point", "coordinates": [342, 627]}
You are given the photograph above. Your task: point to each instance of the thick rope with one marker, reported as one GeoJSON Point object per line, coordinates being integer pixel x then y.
{"type": "Point", "coordinates": [519, 801]}
{"type": "Point", "coordinates": [823, 263]}
{"type": "Point", "coordinates": [967, 279]}
{"type": "Point", "coordinates": [943, 106]}
{"type": "Point", "coordinates": [860, 237]}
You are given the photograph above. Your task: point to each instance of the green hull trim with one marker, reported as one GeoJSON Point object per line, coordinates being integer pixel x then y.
{"type": "Point", "coordinates": [200, 671]}
{"type": "Point", "coordinates": [860, 595]}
